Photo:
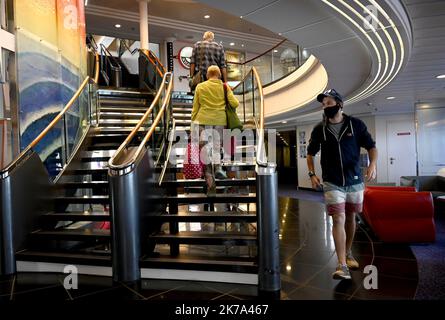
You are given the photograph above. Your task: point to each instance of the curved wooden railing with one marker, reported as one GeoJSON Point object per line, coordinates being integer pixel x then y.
{"type": "Point", "coordinates": [114, 163]}
{"type": "Point", "coordinates": [258, 111]}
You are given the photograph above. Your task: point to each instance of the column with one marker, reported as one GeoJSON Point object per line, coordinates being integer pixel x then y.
{"type": "Point", "coordinates": [143, 24]}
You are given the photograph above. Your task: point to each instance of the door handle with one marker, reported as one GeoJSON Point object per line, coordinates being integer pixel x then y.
{"type": "Point", "coordinates": [392, 160]}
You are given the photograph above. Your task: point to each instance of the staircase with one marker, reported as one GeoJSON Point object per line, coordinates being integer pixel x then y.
{"type": "Point", "coordinates": [164, 226]}
{"type": "Point", "coordinates": [77, 231]}
{"type": "Point", "coordinates": [206, 234]}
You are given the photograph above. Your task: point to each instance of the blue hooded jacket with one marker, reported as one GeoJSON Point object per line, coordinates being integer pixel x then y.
{"type": "Point", "coordinates": [340, 157]}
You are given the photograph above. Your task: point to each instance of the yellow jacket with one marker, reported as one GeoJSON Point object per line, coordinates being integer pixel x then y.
{"type": "Point", "coordinates": [209, 104]}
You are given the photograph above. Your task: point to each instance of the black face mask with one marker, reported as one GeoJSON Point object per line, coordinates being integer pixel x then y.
{"type": "Point", "coordinates": [331, 112]}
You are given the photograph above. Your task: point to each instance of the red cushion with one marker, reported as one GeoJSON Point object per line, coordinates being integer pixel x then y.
{"type": "Point", "coordinates": [399, 215]}
{"type": "Point", "coordinates": [390, 188]}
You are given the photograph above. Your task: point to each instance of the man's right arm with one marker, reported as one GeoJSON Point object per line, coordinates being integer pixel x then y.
{"type": "Point", "coordinates": [193, 61]}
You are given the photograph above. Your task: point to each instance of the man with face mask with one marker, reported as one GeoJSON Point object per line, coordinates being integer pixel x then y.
{"type": "Point", "coordinates": [340, 138]}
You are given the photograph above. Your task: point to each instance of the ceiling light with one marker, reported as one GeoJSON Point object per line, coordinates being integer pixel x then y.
{"type": "Point", "coordinates": [242, 45]}
{"type": "Point", "coordinates": [390, 98]}
{"type": "Point", "coordinates": [283, 122]}
{"type": "Point", "coordinates": [275, 51]}
{"type": "Point", "coordinates": [206, 16]}
{"type": "Point", "coordinates": [232, 43]}
{"type": "Point", "coordinates": [117, 26]}
{"type": "Point", "coordinates": [288, 267]}
{"type": "Point", "coordinates": [442, 76]}
{"type": "Point", "coordinates": [86, 3]}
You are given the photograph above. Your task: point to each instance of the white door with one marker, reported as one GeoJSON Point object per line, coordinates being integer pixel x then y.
{"type": "Point", "coordinates": [401, 142]}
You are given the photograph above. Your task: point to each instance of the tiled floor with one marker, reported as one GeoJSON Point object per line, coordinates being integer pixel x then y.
{"type": "Point", "coordinates": [307, 261]}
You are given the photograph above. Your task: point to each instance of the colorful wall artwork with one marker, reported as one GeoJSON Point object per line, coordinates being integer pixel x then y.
{"type": "Point", "coordinates": [51, 63]}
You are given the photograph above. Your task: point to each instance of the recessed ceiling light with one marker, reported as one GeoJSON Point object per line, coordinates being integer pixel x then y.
{"type": "Point", "coordinates": [390, 98]}
{"type": "Point", "coordinates": [275, 51]}
{"type": "Point", "coordinates": [283, 122]}
{"type": "Point", "coordinates": [242, 45]}
{"type": "Point", "coordinates": [117, 26]}
{"type": "Point", "coordinates": [207, 16]}
{"type": "Point", "coordinates": [241, 17]}
{"type": "Point", "coordinates": [232, 43]}
{"type": "Point", "coordinates": [442, 76]}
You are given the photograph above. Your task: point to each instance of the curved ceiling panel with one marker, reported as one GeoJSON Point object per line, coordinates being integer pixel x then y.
{"type": "Point", "coordinates": [363, 44]}
{"type": "Point", "coordinates": [296, 90]}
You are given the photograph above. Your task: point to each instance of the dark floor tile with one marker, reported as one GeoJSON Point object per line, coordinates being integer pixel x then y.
{"type": "Point", "coordinates": [236, 289]}
{"type": "Point", "coordinates": [298, 273]}
{"type": "Point", "coordinates": [400, 268]}
{"type": "Point", "coordinates": [310, 293]}
{"type": "Point", "coordinates": [5, 287]}
{"type": "Point", "coordinates": [6, 278]}
{"type": "Point", "coordinates": [36, 279]}
{"type": "Point", "coordinates": [116, 293]}
{"type": "Point", "coordinates": [390, 288]}
{"type": "Point", "coordinates": [185, 293]}
{"type": "Point", "coordinates": [226, 297]}
{"type": "Point", "coordinates": [400, 251]}
{"type": "Point", "coordinates": [55, 294]}
{"type": "Point", "coordinates": [89, 285]}
{"type": "Point", "coordinates": [312, 257]}
{"type": "Point", "coordinates": [324, 281]}
{"type": "Point", "coordinates": [361, 237]}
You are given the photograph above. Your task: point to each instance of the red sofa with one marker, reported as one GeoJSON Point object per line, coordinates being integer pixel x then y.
{"type": "Point", "coordinates": [399, 214]}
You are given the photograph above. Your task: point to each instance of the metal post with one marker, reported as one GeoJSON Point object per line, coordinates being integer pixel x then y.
{"type": "Point", "coordinates": [125, 212]}
{"type": "Point", "coordinates": [268, 232]}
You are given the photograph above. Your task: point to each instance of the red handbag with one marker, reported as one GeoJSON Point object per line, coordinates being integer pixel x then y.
{"type": "Point", "coordinates": [193, 167]}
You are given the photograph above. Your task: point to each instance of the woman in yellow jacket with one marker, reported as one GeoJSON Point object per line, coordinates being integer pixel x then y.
{"type": "Point", "coordinates": [209, 117]}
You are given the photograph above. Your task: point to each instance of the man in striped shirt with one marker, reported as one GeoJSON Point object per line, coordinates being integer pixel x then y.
{"type": "Point", "coordinates": [205, 54]}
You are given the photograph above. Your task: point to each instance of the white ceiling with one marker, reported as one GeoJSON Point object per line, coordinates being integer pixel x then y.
{"type": "Point", "coordinates": [415, 83]}
{"type": "Point", "coordinates": [180, 19]}
{"type": "Point", "coordinates": [347, 57]}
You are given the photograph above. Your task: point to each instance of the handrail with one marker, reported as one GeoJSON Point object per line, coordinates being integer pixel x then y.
{"type": "Point", "coordinates": [261, 158]}
{"type": "Point", "coordinates": [260, 89]}
{"type": "Point", "coordinates": [132, 52]}
{"type": "Point", "coordinates": [169, 149]}
{"type": "Point", "coordinates": [260, 55]}
{"type": "Point", "coordinates": [47, 129]}
{"type": "Point", "coordinates": [97, 71]}
{"type": "Point", "coordinates": [3, 141]}
{"type": "Point", "coordinates": [158, 61]}
{"type": "Point", "coordinates": [93, 42]}
{"type": "Point", "coordinates": [155, 61]}
{"type": "Point", "coordinates": [110, 57]}
{"type": "Point", "coordinates": [112, 165]}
